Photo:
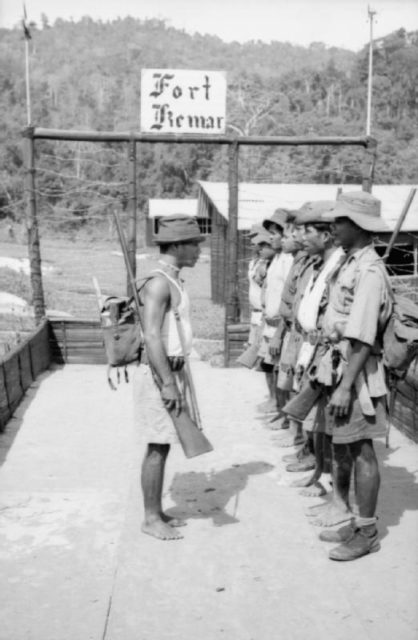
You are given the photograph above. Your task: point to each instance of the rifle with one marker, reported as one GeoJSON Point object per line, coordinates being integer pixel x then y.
{"type": "Point", "coordinates": [300, 405]}
{"type": "Point", "coordinates": [192, 438]}
{"type": "Point", "coordinates": [249, 357]}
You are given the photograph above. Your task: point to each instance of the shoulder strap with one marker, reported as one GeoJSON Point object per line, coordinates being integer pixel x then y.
{"type": "Point", "coordinates": [175, 291]}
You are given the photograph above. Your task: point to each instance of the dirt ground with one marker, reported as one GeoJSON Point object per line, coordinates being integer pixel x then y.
{"type": "Point", "coordinates": [75, 565]}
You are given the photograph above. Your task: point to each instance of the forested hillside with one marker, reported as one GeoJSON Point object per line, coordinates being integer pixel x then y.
{"type": "Point", "coordinates": [86, 75]}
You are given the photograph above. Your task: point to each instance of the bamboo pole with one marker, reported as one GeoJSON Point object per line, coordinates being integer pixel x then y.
{"type": "Point", "coordinates": [121, 136]}
{"type": "Point", "coordinates": [371, 15]}
{"type": "Point", "coordinates": [27, 83]}
{"type": "Point", "coordinates": [32, 227]}
{"type": "Point", "coordinates": [399, 223]}
{"type": "Point", "coordinates": [131, 242]}
{"type": "Point", "coordinates": [232, 301]}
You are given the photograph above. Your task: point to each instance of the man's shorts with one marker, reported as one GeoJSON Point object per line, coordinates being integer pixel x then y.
{"type": "Point", "coordinates": [264, 351]}
{"type": "Point", "coordinates": [150, 415]}
{"type": "Point", "coordinates": [356, 426]}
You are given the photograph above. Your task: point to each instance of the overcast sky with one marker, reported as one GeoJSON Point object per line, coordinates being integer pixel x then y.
{"type": "Point", "coordinates": [342, 23]}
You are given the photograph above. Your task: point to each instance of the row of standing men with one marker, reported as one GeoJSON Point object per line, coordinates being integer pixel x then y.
{"type": "Point", "coordinates": [320, 298]}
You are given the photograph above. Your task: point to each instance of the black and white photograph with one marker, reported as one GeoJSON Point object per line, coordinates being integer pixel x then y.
{"type": "Point", "coordinates": [208, 319]}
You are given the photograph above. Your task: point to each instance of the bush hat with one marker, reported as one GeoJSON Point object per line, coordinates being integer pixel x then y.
{"type": "Point", "coordinates": [178, 228]}
{"type": "Point", "coordinates": [261, 237]}
{"type": "Point", "coordinates": [314, 212]}
{"type": "Point", "coordinates": [361, 208]}
{"type": "Point", "coordinates": [255, 230]}
{"type": "Point", "coordinates": [279, 217]}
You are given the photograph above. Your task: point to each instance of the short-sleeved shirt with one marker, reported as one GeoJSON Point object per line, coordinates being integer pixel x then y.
{"type": "Point", "coordinates": [301, 262]}
{"type": "Point", "coordinates": [358, 308]}
{"type": "Point", "coordinates": [273, 286]}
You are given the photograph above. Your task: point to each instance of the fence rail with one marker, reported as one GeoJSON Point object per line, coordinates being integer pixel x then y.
{"type": "Point", "coordinates": [70, 341]}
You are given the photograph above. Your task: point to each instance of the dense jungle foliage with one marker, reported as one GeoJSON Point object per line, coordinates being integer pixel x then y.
{"type": "Point", "coordinates": [86, 75]}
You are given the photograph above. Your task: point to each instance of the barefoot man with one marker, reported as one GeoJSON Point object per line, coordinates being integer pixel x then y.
{"type": "Point", "coordinates": [179, 240]}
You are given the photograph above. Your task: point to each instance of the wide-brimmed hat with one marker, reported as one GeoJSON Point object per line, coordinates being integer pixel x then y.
{"type": "Point", "coordinates": [178, 228]}
{"type": "Point", "coordinates": [315, 211]}
{"type": "Point", "coordinates": [255, 230]}
{"type": "Point", "coordinates": [361, 208]}
{"type": "Point", "coordinates": [261, 237]}
{"type": "Point", "coordinates": [279, 217]}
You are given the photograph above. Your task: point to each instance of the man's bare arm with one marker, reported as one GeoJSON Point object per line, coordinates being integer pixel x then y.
{"type": "Point", "coordinates": [341, 398]}
{"type": "Point", "coordinates": [156, 298]}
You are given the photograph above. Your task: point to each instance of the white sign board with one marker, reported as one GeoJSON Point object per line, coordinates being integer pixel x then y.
{"type": "Point", "coordinates": [180, 101]}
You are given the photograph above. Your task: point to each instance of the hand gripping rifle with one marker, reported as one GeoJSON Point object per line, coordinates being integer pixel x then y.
{"type": "Point", "coordinates": [190, 434]}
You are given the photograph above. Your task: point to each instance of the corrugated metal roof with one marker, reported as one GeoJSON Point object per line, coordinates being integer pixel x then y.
{"type": "Point", "coordinates": [258, 201]}
{"type": "Point", "coordinates": [159, 207]}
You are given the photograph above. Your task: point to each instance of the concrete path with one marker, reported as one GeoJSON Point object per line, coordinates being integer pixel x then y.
{"type": "Point", "coordinates": [75, 565]}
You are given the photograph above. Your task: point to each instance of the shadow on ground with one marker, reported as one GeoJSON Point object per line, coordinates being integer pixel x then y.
{"type": "Point", "coordinates": [398, 491]}
{"type": "Point", "coordinates": [206, 495]}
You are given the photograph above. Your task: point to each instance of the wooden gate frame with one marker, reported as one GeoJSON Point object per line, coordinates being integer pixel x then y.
{"type": "Point", "coordinates": [234, 142]}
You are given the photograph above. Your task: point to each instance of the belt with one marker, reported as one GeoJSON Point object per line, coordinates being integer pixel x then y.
{"type": "Point", "coordinates": [314, 337]}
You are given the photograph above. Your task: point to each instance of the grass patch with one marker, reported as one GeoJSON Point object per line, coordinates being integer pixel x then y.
{"type": "Point", "coordinates": [68, 268]}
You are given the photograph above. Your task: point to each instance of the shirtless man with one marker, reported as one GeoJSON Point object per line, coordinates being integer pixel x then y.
{"type": "Point", "coordinates": [179, 239]}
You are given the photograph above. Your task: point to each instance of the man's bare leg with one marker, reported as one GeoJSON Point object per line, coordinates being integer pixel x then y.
{"type": "Point", "coordinates": [319, 483]}
{"type": "Point", "coordinates": [363, 537]}
{"type": "Point", "coordinates": [366, 477]}
{"type": "Point", "coordinates": [338, 510]}
{"type": "Point", "coordinates": [293, 436]}
{"type": "Point", "coordinates": [156, 523]}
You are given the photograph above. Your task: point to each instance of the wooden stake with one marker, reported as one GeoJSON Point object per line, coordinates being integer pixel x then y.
{"type": "Point", "coordinates": [232, 304]}
{"type": "Point", "coordinates": [131, 242]}
{"type": "Point", "coordinates": [32, 228]}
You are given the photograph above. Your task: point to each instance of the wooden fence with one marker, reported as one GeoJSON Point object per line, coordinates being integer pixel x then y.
{"type": "Point", "coordinates": [69, 341]}
{"type": "Point", "coordinates": [76, 342]}
{"type": "Point", "coordinates": [20, 368]}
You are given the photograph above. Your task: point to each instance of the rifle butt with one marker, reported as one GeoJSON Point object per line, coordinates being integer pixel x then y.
{"type": "Point", "coordinates": [299, 407]}
{"type": "Point", "coordinates": [249, 357]}
{"type": "Point", "coordinates": [192, 439]}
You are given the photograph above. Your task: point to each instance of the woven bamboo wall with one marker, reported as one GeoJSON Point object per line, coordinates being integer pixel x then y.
{"type": "Point", "coordinates": [20, 368]}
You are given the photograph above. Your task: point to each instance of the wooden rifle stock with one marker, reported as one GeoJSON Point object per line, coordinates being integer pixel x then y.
{"type": "Point", "coordinates": [299, 407]}
{"type": "Point", "coordinates": [249, 357]}
{"type": "Point", "coordinates": [191, 437]}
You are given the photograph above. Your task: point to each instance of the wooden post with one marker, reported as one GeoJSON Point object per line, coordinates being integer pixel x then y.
{"type": "Point", "coordinates": [232, 302]}
{"type": "Point", "coordinates": [369, 165]}
{"type": "Point", "coordinates": [32, 227]}
{"type": "Point", "coordinates": [131, 241]}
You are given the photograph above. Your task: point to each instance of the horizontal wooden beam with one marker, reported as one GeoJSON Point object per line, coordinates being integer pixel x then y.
{"type": "Point", "coordinates": [124, 136]}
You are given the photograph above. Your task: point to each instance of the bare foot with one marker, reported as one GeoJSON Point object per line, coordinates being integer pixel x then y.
{"type": "Point", "coordinates": [288, 440]}
{"type": "Point", "coordinates": [306, 481]}
{"type": "Point", "coordinates": [278, 423]}
{"type": "Point", "coordinates": [315, 490]}
{"type": "Point", "coordinates": [172, 521]}
{"type": "Point", "coordinates": [331, 516]}
{"type": "Point", "coordinates": [161, 530]}
{"type": "Point", "coordinates": [315, 509]}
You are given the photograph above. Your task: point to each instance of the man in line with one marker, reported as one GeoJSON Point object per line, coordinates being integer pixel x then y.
{"type": "Point", "coordinates": [257, 271]}
{"type": "Point", "coordinates": [319, 242]}
{"type": "Point", "coordinates": [292, 244]}
{"type": "Point", "coordinates": [179, 239]}
{"type": "Point", "coordinates": [273, 287]}
{"type": "Point", "coordinates": [358, 309]}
